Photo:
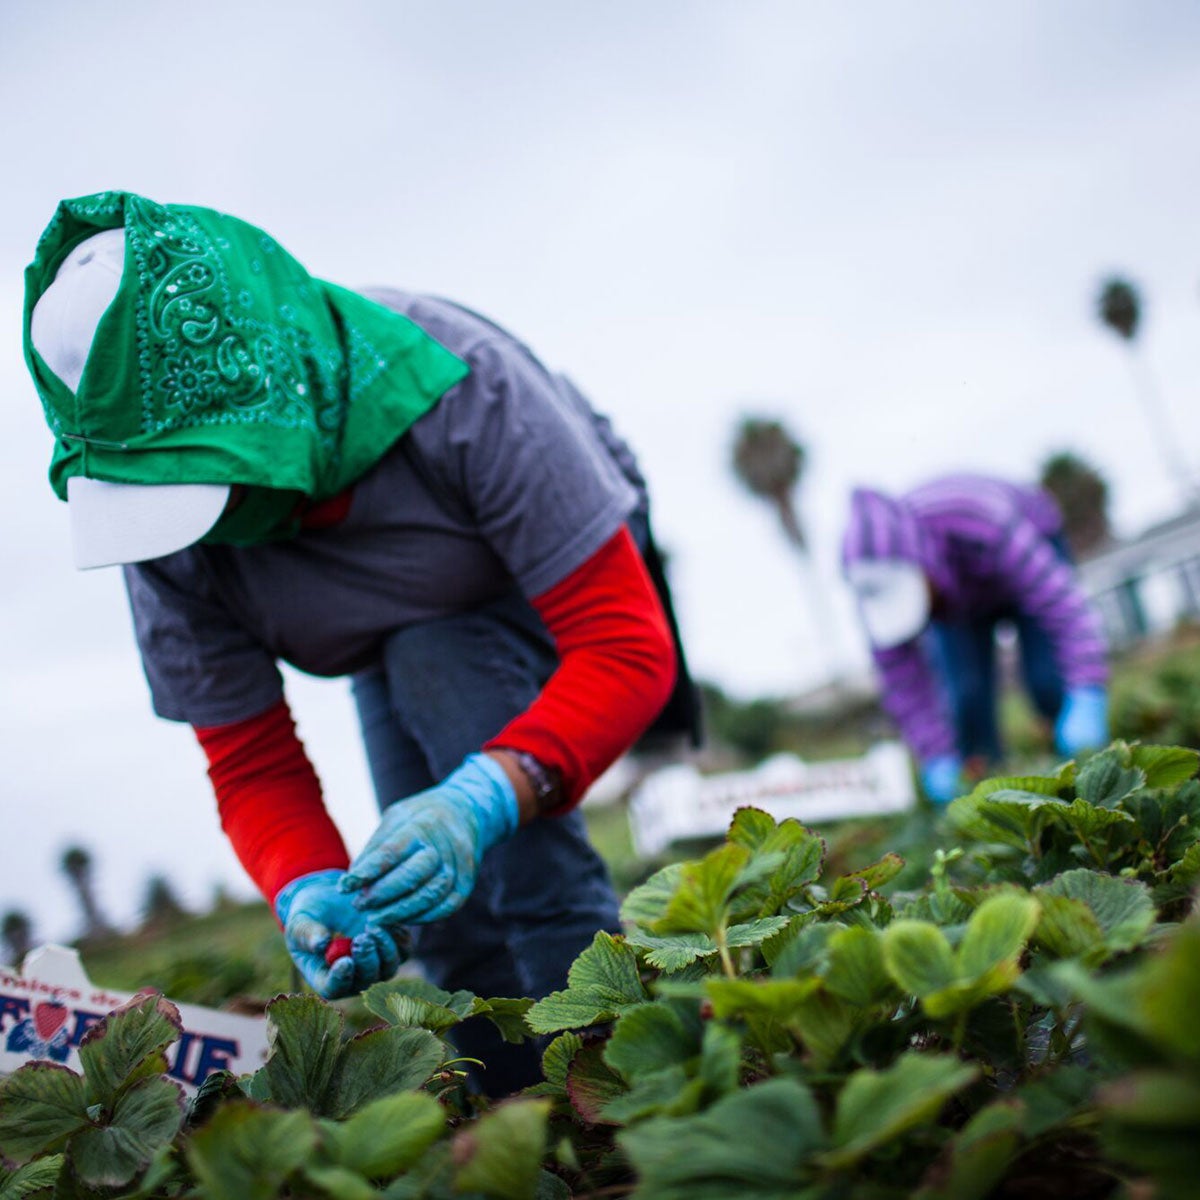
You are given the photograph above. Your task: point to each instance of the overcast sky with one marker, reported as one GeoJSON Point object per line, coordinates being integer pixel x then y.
{"type": "Point", "coordinates": [884, 224]}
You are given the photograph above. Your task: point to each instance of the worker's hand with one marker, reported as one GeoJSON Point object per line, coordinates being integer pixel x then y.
{"type": "Point", "coordinates": [942, 777]}
{"type": "Point", "coordinates": [314, 912]}
{"type": "Point", "coordinates": [420, 864]}
{"type": "Point", "coordinates": [1082, 721]}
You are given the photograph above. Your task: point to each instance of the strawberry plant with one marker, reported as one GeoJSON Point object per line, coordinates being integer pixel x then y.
{"type": "Point", "coordinates": [1020, 1023]}
{"type": "Point", "coordinates": [935, 1043]}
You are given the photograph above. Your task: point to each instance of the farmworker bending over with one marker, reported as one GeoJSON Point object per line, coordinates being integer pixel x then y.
{"type": "Point", "coordinates": [935, 571]}
{"type": "Point", "coordinates": [389, 488]}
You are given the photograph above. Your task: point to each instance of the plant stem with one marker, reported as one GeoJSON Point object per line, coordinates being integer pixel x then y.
{"type": "Point", "coordinates": [1100, 862]}
{"type": "Point", "coordinates": [723, 950]}
{"type": "Point", "coordinates": [960, 1030]}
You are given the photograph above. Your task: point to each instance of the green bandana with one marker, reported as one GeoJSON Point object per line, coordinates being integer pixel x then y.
{"type": "Point", "coordinates": [260, 515]}
{"type": "Point", "coordinates": [221, 360]}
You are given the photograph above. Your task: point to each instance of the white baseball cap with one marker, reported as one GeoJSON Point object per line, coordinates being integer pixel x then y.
{"type": "Point", "coordinates": [893, 599]}
{"type": "Point", "coordinates": [111, 522]}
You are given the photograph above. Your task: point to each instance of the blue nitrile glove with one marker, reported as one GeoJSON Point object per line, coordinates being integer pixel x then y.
{"type": "Point", "coordinates": [942, 778]}
{"type": "Point", "coordinates": [420, 864]}
{"type": "Point", "coordinates": [313, 911]}
{"type": "Point", "coordinates": [1082, 721]}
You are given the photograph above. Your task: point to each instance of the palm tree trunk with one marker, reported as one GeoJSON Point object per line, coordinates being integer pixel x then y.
{"type": "Point", "coordinates": [1155, 410]}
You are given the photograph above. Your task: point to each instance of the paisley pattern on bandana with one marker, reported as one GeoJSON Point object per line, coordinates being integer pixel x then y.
{"type": "Point", "coordinates": [222, 360]}
{"type": "Point", "coordinates": [202, 357]}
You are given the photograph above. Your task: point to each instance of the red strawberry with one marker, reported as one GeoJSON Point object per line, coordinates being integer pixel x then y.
{"type": "Point", "coordinates": [49, 1016]}
{"type": "Point", "coordinates": [338, 948]}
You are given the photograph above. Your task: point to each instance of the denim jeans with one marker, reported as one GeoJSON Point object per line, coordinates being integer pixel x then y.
{"type": "Point", "coordinates": [440, 690]}
{"type": "Point", "coordinates": [965, 652]}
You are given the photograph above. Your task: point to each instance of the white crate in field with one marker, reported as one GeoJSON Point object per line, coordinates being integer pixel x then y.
{"type": "Point", "coordinates": [678, 802]}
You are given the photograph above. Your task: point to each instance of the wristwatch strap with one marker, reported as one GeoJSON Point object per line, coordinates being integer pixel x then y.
{"type": "Point", "coordinates": [547, 787]}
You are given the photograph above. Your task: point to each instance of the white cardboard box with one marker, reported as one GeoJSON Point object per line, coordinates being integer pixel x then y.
{"type": "Point", "coordinates": [47, 1007]}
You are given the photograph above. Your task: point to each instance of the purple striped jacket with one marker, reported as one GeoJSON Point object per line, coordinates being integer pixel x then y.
{"type": "Point", "coordinates": [986, 546]}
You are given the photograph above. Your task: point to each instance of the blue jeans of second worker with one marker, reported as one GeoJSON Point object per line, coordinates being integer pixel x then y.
{"type": "Point", "coordinates": [964, 650]}
{"type": "Point", "coordinates": [442, 689]}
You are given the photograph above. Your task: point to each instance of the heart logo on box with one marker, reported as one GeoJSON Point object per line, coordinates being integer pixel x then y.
{"type": "Point", "coordinates": [48, 1018]}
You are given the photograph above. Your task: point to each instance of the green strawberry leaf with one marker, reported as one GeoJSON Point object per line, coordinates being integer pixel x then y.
{"type": "Point", "coordinates": [377, 1063]}
{"type": "Point", "coordinates": [247, 1153]}
{"type": "Point", "coordinates": [387, 1135]}
{"type": "Point", "coordinates": [411, 1012]}
{"type": "Point", "coordinates": [145, 1118]}
{"type": "Point", "coordinates": [1089, 821]}
{"type": "Point", "coordinates": [379, 997]}
{"type": "Point", "coordinates": [304, 1036]}
{"type": "Point", "coordinates": [30, 1179]}
{"type": "Point", "coordinates": [500, 1155]}
{"type": "Point", "coordinates": [339, 1183]}
{"type": "Point", "coordinates": [41, 1105]}
{"type": "Point", "coordinates": [647, 903]}
{"type": "Point", "coordinates": [777, 1000]}
{"type": "Point", "coordinates": [1165, 766]}
{"type": "Point", "coordinates": [980, 1154]}
{"type": "Point", "coordinates": [128, 1045]}
{"type": "Point", "coordinates": [995, 937]}
{"type": "Point", "coordinates": [706, 887]}
{"type": "Point", "coordinates": [1008, 816]}
{"type": "Point", "coordinates": [507, 1015]}
{"type": "Point", "coordinates": [592, 1084]}
{"type": "Point", "coordinates": [602, 982]}
{"type": "Point", "coordinates": [556, 1060]}
{"type": "Point", "coordinates": [648, 1037]}
{"type": "Point", "coordinates": [798, 853]}
{"type": "Point", "coordinates": [876, 1107]}
{"type": "Point", "coordinates": [1119, 915]}
{"type": "Point", "coordinates": [918, 957]}
{"type": "Point", "coordinates": [674, 951]}
{"type": "Point", "coordinates": [1155, 1002]}
{"type": "Point", "coordinates": [880, 872]}
{"type": "Point", "coordinates": [1107, 778]}
{"type": "Point", "coordinates": [755, 1144]}
{"type": "Point", "coordinates": [856, 970]}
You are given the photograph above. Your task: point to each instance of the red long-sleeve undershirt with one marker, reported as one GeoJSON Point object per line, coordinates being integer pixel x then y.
{"type": "Point", "coordinates": [269, 800]}
{"type": "Point", "coordinates": [616, 670]}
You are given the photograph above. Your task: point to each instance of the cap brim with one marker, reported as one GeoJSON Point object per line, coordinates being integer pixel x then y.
{"type": "Point", "coordinates": [114, 523]}
{"type": "Point", "coordinates": [893, 600]}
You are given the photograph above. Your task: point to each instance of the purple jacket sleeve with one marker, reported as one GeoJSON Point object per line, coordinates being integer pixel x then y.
{"type": "Point", "coordinates": [913, 697]}
{"type": "Point", "coordinates": [1046, 588]}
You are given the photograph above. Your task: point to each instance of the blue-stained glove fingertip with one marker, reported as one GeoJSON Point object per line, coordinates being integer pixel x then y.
{"type": "Point", "coordinates": [337, 981]}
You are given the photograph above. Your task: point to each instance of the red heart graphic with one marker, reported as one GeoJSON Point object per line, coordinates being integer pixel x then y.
{"type": "Point", "coordinates": [48, 1018]}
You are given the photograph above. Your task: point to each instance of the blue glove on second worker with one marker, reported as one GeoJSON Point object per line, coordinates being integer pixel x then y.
{"type": "Point", "coordinates": [1082, 721]}
{"type": "Point", "coordinates": [314, 911]}
{"type": "Point", "coordinates": [942, 778]}
{"type": "Point", "coordinates": [420, 864]}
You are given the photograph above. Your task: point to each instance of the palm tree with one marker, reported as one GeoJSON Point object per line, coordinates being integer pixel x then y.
{"type": "Point", "coordinates": [77, 866]}
{"type": "Point", "coordinates": [17, 931]}
{"type": "Point", "coordinates": [1082, 496]}
{"type": "Point", "coordinates": [769, 462]}
{"type": "Point", "coordinates": [1119, 307]}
